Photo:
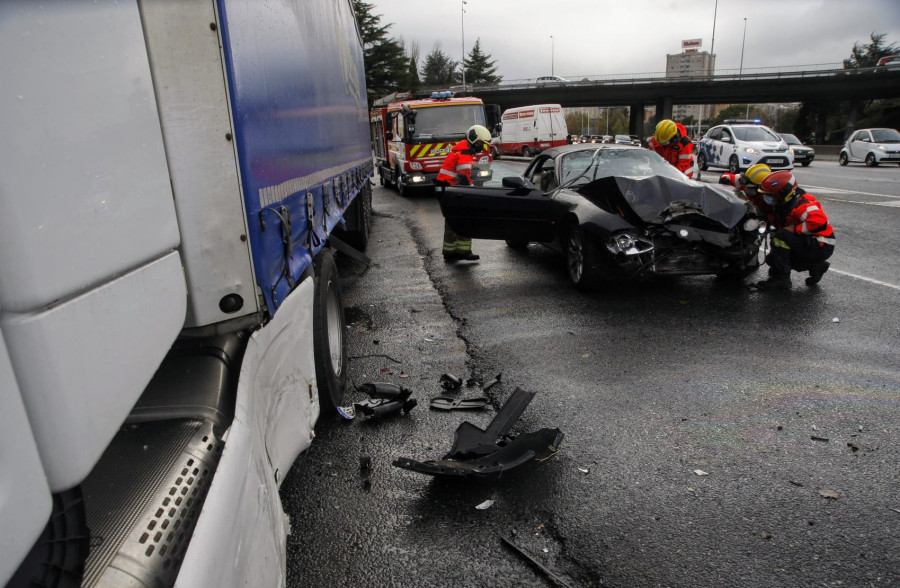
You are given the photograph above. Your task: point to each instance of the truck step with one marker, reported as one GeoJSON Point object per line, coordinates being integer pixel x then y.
{"type": "Point", "coordinates": [143, 499]}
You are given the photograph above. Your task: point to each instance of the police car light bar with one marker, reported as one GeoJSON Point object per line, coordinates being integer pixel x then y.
{"type": "Point", "coordinates": [744, 121]}
{"type": "Point", "coordinates": [445, 95]}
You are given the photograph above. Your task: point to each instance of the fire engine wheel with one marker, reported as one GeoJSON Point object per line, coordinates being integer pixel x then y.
{"type": "Point", "coordinates": [57, 557]}
{"type": "Point", "coordinates": [329, 348]}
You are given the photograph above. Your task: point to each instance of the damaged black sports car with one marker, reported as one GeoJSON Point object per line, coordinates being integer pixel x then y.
{"type": "Point", "coordinates": [614, 210]}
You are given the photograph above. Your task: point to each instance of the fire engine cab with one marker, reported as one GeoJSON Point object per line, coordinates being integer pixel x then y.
{"type": "Point", "coordinates": [412, 136]}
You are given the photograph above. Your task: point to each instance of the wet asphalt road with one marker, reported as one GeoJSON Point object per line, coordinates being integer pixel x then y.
{"type": "Point", "coordinates": [714, 436]}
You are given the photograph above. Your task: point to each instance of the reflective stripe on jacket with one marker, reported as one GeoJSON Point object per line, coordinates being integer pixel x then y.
{"type": "Point", "coordinates": [808, 218]}
{"type": "Point", "coordinates": [680, 152]}
{"type": "Point", "coordinates": [458, 163]}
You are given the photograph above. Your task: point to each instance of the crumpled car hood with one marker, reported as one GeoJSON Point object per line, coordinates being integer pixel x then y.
{"type": "Point", "coordinates": [654, 198]}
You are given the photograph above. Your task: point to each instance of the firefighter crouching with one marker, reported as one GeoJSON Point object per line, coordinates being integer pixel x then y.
{"type": "Point", "coordinates": [457, 170]}
{"type": "Point", "coordinates": [803, 239]}
{"type": "Point", "coordinates": [671, 141]}
{"type": "Point", "coordinates": [746, 185]}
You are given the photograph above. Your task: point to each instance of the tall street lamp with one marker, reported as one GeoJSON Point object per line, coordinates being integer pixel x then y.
{"type": "Point", "coordinates": [551, 55]}
{"type": "Point", "coordinates": [742, 47]}
{"type": "Point", "coordinates": [462, 19]}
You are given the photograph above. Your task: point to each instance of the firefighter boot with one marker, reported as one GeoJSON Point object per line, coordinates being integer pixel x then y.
{"type": "Point", "coordinates": [774, 282]}
{"type": "Point", "coordinates": [816, 272]}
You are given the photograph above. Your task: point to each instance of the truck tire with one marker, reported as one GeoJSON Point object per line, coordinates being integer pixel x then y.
{"type": "Point", "coordinates": [57, 557]}
{"type": "Point", "coordinates": [329, 349]}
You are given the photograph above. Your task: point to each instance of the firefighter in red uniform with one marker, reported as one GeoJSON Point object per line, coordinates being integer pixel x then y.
{"type": "Point", "coordinates": [672, 142]}
{"type": "Point", "coordinates": [803, 239]}
{"type": "Point", "coordinates": [457, 170]}
{"type": "Point", "coordinates": [747, 186]}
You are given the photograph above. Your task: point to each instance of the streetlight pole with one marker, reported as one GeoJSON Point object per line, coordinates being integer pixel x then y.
{"type": "Point", "coordinates": [551, 55]}
{"type": "Point", "coordinates": [462, 19]}
{"type": "Point", "coordinates": [741, 73]}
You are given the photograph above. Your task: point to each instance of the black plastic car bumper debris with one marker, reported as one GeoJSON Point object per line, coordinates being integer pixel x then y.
{"type": "Point", "coordinates": [490, 452]}
{"type": "Point", "coordinates": [449, 403]}
{"type": "Point", "coordinates": [384, 399]}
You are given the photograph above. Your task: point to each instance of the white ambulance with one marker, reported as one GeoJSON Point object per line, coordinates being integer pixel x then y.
{"type": "Point", "coordinates": [528, 130]}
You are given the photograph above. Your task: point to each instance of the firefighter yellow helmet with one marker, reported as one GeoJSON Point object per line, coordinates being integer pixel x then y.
{"type": "Point", "coordinates": [665, 131]}
{"type": "Point", "coordinates": [478, 133]}
{"type": "Point", "coordinates": [755, 174]}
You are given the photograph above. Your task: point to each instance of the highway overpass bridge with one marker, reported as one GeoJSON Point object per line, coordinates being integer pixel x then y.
{"type": "Point", "coordinates": [825, 86]}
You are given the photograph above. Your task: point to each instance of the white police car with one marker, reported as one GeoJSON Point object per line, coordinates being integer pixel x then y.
{"type": "Point", "coordinates": [739, 144]}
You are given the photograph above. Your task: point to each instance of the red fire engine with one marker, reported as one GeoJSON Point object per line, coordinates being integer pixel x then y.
{"type": "Point", "coordinates": [412, 136]}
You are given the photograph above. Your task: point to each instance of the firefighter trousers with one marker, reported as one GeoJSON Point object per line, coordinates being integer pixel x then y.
{"type": "Point", "coordinates": [791, 251]}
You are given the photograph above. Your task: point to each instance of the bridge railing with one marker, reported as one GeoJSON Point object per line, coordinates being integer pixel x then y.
{"type": "Point", "coordinates": [786, 72]}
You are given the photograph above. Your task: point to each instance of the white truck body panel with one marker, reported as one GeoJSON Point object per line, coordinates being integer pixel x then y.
{"type": "Point", "coordinates": [121, 330]}
{"type": "Point", "coordinates": [186, 62]}
{"type": "Point", "coordinates": [536, 127]}
{"type": "Point", "coordinates": [84, 189]}
{"type": "Point", "coordinates": [277, 407]}
{"type": "Point", "coordinates": [24, 496]}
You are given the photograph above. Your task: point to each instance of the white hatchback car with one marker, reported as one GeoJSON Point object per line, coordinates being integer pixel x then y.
{"type": "Point", "coordinates": [872, 146]}
{"type": "Point", "coordinates": [737, 145]}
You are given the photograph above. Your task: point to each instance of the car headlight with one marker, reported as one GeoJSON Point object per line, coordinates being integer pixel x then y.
{"type": "Point", "coordinates": [792, 151]}
{"type": "Point", "coordinates": [415, 165]}
{"type": "Point", "coordinates": [751, 150]}
{"type": "Point", "coordinates": [882, 147]}
{"type": "Point", "coordinates": [483, 173]}
{"type": "Point", "coordinates": [628, 244]}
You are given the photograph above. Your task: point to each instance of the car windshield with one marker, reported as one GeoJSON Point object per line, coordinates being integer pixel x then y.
{"type": "Point", "coordinates": [754, 134]}
{"type": "Point", "coordinates": [885, 136]}
{"type": "Point", "coordinates": [581, 167]}
{"type": "Point", "coordinates": [447, 121]}
{"type": "Point", "coordinates": [791, 139]}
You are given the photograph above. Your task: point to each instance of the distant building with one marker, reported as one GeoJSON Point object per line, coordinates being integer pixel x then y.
{"type": "Point", "coordinates": [692, 62]}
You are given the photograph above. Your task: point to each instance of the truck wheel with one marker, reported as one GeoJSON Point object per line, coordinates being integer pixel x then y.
{"type": "Point", "coordinates": [526, 152]}
{"type": "Point", "coordinates": [329, 349]}
{"type": "Point", "coordinates": [57, 557]}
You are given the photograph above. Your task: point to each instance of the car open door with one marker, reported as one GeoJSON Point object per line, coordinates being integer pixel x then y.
{"type": "Point", "coordinates": [516, 211]}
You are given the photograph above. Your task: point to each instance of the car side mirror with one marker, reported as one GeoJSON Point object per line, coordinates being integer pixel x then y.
{"type": "Point", "coordinates": [519, 184]}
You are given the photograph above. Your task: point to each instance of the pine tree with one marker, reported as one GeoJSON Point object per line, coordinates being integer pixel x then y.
{"type": "Point", "coordinates": [387, 66]}
{"type": "Point", "coordinates": [480, 71]}
{"type": "Point", "coordinates": [869, 54]}
{"type": "Point", "coordinates": [439, 69]}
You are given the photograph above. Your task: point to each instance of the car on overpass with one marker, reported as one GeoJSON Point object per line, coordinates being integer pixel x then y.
{"type": "Point", "coordinates": [872, 146]}
{"type": "Point", "coordinates": [614, 211]}
{"type": "Point", "coordinates": [739, 144]}
{"type": "Point", "coordinates": [551, 80]}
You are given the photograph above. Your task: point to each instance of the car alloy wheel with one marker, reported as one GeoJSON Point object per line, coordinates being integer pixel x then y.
{"type": "Point", "coordinates": [842, 158]}
{"type": "Point", "coordinates": [871, 161]}
{"type": "Point", "coordinates": [733, 165]}
{"type": "Point", "coordinates": [701, 162]}
{"type": "Point", "coordinates": [581, 258]}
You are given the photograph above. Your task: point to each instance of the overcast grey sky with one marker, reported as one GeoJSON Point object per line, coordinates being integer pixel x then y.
{"type": "Point", "coordinates": [600, 37]}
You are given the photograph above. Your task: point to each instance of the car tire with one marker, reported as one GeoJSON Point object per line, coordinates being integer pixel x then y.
{"type": "Point", "coordinates": [871, 161]}
{"type": "Point", "coordinates": [517, 244]}
{"type": "Point", "coordinates": [581, 259]}
{"type": "Point", "coordinates": [329, 350]}
{"type": "Point", "coordinates": [805, 163]}
{"type": "Point", "coordinates": [843, 159]}
{"type": "Point", "coordinates": [701, 162]}
{"type": "Point", "coordinates": [734, 165]}
{"type": "Point", "coordinates": [526, 152]}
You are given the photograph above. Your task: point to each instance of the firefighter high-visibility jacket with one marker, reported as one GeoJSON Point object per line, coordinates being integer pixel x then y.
{"type": "Point", "coordinates": [806, 217]}
{"type": "Point", "coordinates": [680, 152]}
{"type": "Point", "coordinates": [457, 166]}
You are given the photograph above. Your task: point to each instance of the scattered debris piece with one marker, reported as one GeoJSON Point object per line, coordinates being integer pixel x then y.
{"type": "Point", "coordinates": [450, 382]}
{"type": "Point", "coordinates": [701, 473]}
{"type": "Point", "coordinates": [896, 510]}
{"type": "Point", "coordinates": [584, 470]}
{"type": "Point", "coordinates": [815, 428]}
{"type": "Point", "coordinates": [448, 403]}
{"type": "Point", "coordinates": [814, 438]}
{"type": "Point", "coordinates": [854, 447]}
{"type": "Point", "coordinates": [489, 453]}
{"type": "Point", "coordinates": [348, 412]}
{"type": "Point", "coordinates": [829, 493]}
{"type": "Point", "coordinates": [798, 484]}
{"type": "Point", "coordinates": [492, 383]}
{"type": "Point", "coordinates": [553, 577]}
{"type": "Point", "coordinates": [485, 505]}
{"type": "Point", "coordinates": [835, 320]}
{"type": "Point", "coordinates": [384, 399]}
{"type": "Point", "coordinates": [766, 536]}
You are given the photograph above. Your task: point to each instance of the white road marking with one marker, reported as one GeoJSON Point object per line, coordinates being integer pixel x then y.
{"type": "Point", "coordinates": [871, 280]}
{"type": "Point", "coordinates": [815, 190]}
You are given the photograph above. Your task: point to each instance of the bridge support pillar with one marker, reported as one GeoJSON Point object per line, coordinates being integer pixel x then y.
{"type": "Point", "coordinates": [636, 119]}
{"type": "Point", "coordinates": [663, 109]}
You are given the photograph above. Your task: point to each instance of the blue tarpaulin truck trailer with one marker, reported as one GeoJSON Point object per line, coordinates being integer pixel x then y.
{"type": "Point", "coordinates": [173, 179]}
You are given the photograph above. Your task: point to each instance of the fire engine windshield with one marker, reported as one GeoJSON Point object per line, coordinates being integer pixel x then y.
{"type": "Point", "coordinates": [446, 122]}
